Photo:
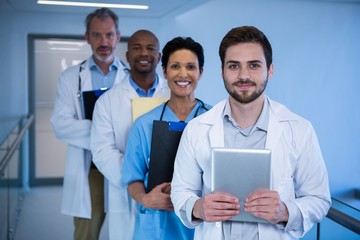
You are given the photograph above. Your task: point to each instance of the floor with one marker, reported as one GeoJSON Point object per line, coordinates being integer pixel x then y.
{"type": "Point", "coordinates": [40, 217]}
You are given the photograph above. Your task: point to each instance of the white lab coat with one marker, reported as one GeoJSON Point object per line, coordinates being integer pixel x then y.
{"type": "Point", "coordinates": [296, 156]}
{"type": "Point", "coordinates": [70, 126]}
{"type": "Point", "coordinates": [112, 119]}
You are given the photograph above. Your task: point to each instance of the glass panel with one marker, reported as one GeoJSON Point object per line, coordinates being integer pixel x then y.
{"type": "Point", "coordinates": [4, 198]}
{"type": "Point", "coordinates": [10, 188]}
{"type": "Point", "coordinates": [349, 206]}
{"type": "Point", "coordinates": [14, 192]}
{"type": "Point", "coordinates": [312, 234]}
{"type": "Point", "coordinates": [331, 230]}
{"type": "Point", "coordinates": [55, 55]}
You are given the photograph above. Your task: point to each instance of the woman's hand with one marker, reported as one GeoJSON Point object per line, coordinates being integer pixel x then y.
{"type": "Point", "coordinates": [159, 198]}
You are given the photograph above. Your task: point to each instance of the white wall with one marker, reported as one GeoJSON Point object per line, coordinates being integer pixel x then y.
{"type": "Point", "coordinates": [316, 48]}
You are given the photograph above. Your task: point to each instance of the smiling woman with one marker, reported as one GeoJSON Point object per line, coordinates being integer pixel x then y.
{"type": "Point", "coordinates": [183, 73]}
{"type": "Point", "coordinates": [182, 63]}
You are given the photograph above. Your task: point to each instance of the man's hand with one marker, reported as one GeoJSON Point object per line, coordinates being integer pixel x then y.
{"type": "Point", "coordinates": [268, 205]}
{"type": "Point", "coordinates": [216, 207]}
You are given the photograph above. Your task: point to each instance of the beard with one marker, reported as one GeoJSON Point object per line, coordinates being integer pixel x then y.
{"type": "Point", "coordinates": [245, 97]}
{"type": "Point", "coordinates": [104, 57]}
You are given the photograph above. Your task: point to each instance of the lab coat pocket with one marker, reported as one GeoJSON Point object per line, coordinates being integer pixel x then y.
{"type": "Point", "coordinates": [147, 224]}
{"type": "Point", "coordinates": [286, 188]}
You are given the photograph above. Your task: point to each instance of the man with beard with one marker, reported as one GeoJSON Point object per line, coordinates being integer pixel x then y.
{"type": "Point", "coordinates": [111, 123]}
{"type": "Point", "coordinates": [83, 191]}
{"type": "Point", "coordinates": [299, 194]}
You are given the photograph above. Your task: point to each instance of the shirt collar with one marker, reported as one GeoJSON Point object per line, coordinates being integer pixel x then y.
{"type": "Point", "coordinates": [261, 123]}
{"type": "Point", "coordinates": [94, 66]}
{"type": "Point", "coordinates": [141, 91]}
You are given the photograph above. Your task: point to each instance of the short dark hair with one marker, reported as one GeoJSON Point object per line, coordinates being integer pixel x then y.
{"type": "Point", "coordinates": [245, 34]}
{"type": "Point", "coordinates": [142, 32]}
{"type": "Point", "coordinates": [102, 13]}
{"type": "Point", "coordinates": [179, 43]}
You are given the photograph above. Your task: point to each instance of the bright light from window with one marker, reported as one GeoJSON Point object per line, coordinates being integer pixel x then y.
{"type": "Point", "coordinates": [76, 43]}
{"type": "Point", "coordinates": [64, 49]}
{"type": "Point", "coordinates": [89, 4]}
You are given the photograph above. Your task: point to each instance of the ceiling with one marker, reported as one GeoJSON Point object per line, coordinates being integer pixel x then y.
{"type": "Point", "coordinates": [158, 8]}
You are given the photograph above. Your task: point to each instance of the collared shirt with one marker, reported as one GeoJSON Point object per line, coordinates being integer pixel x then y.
{"type": "Point", "coordinates": [237, 137]}
{"type": "Point", "coordinates": [101, 80]}
{"type": "Point", "coordinates": [141, 92]}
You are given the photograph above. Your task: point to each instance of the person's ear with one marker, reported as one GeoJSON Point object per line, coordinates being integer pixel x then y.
{"type": "Point", "coordinates": [86, 35]}
{"type": "Point", "coordinates": [127, 56]}
{"type": "Point", "coordinates": [118, 36]}
{"type": "Point", "coordinates": [201, 72]}
{"type": "Point", "coordinates": [159, 57]}
{"type": "Point", "coordinates": [270, 71]}
{"type": "Point", "coordinates": [164, 72]}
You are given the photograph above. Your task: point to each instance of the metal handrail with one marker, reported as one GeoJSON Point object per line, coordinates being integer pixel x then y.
{"type": "Point", "coordinates": [5, 160]}
{"type": "Point", "coordinates": [344, 220]}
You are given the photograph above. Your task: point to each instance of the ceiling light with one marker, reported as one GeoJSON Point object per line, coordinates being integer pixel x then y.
{"type": "Point", "coordinates": [76, 43]}
{"type": "Point", "coordinates": [64, 49]}
{"type": "Point", "coordinates": [89, 4]}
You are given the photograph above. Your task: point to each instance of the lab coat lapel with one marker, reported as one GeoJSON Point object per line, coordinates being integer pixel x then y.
{"type": "Point", "coordinates": [86, 84]}
{"type": "Point", "coordinates": [275, 128]}
{"type": "Point", "coordinates": [273, 141]}
{"type": "Point", "coordinates": [274, 132]}
{"type": "Point", "coordinates": [216, 135]}
{"type": "Point", "coordinates": [216, 132]}
{"type": "Point", "coordinates": [162, 90]}
{"type": "Point", "coordinates": [120, 74]}
{"type": "Point", "coordinates": [85, 81]}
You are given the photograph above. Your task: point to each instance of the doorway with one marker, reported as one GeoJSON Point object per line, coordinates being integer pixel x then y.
{"type": "Point", "coordinates": [49, 55]}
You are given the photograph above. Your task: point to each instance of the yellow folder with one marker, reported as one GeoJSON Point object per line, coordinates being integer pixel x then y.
{"type": "Point", "coordinates": [142, 105]}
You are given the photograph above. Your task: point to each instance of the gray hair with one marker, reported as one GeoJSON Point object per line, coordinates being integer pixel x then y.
{"type": "Point", "coordinates": [102, 13]}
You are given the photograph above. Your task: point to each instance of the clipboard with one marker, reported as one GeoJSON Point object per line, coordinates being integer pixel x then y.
{"type": "Point", "coordinates": [240, 172]}
{"type": "Point", "coordinates": [142, 105]}
{"type": "Point", "coordinates": [164, 144]}
{"type": "Point", "coordinates": [89, 100]}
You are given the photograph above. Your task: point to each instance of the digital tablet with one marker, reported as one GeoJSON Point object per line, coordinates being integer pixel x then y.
{"type": "Point", "coordinates": [240, 172]}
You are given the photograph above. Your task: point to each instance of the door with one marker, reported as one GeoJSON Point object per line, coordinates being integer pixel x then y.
{"type": "Point", "coordinates": [49, 56]}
